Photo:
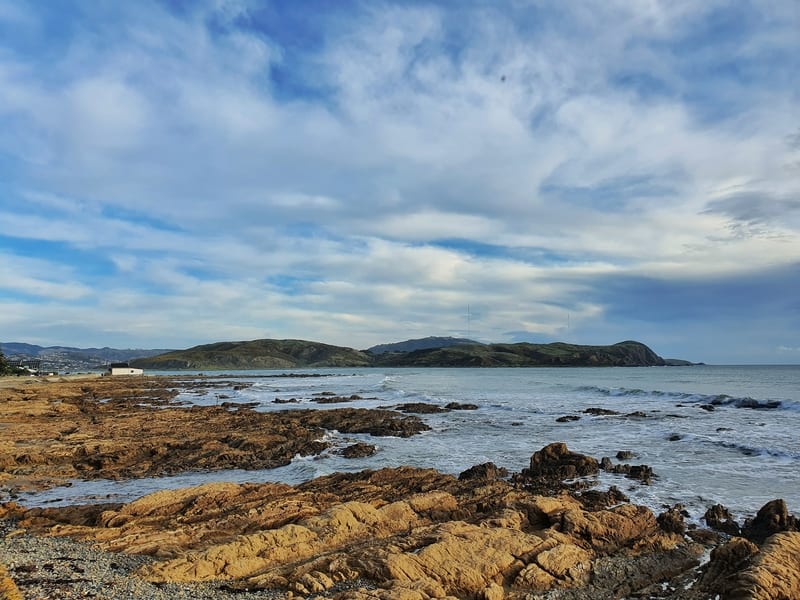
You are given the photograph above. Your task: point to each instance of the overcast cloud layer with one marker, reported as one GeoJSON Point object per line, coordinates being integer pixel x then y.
{"type": "Point", "coordinates": [176, 173]}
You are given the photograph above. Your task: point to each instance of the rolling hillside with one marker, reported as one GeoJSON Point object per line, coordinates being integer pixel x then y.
{"type": "Point", "coordinates": [286, 354]}
{"type": "Point", "coordinates": [257, 354]}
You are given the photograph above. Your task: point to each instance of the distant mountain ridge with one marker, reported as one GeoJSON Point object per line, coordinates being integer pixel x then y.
{"type": "Point", "coordinates": [425, 343]}
{"type": "Point", "coordinates": [99, 355]}
{"type": "Point", "coordinates": [283, 354]}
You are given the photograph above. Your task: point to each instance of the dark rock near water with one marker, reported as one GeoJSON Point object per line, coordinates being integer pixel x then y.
{"type": "Point", "coordinates": [673, 520]}
{"type": "Point", "coordinates": [773, 518]}
{"type": "Point", "coordinates": [675, 437]}
{"type": "Point", "coordinates": [420, 408]}
{"type": "Point", "coordinates": [720, 518]}
{"type": "Point", "coordinates": [325, 398]}
{"type": "Point", "coordinates": [358, 450]}
{"type": "Point", "coordinates": [556, 461]}
{"type": "Point", "coordinates": [567, 419]}
{"type": "Point", "coordinates": [637, 414]}
{"type": "Point", "coordinates": [487, 471]}
{"type": "Point", "coordinates": [597, 500]}
{"type": "Point", "coordinates": [625, 455]}
{"type": "Point", "coordinates": [361, 420]}
{"type": "Point", "coordinates": [600, 411]}
{"type": "Point", "coordinates": [643, 473]}
{"type": "Point", "coordinates": [460, 406]}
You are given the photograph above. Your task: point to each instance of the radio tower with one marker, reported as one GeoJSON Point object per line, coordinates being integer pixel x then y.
{"type": "Point", "coordinates": [469, 319]}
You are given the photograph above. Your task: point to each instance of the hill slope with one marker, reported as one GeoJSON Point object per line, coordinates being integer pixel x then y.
{"type": "Point", "coordinates": [623, 354]}
{"type": "Point", "coordinates": [426, 343]}
{"type": "Point", "coordinates": [257, 354]}
{"type": "Point", "coordinates": [287, 354]}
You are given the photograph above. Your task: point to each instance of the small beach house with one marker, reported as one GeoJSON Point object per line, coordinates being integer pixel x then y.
{"type": "Point", "coordinates": [123, 369]}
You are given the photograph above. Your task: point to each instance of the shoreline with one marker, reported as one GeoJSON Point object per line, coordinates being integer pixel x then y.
{"type": "Point", "coordinates": [118, 427]}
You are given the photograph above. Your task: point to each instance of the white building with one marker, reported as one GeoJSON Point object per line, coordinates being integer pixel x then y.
{"type": "Point", "coordinates": [123, 369]}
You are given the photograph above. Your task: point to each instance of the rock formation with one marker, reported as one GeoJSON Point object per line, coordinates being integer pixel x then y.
{"type": "Point", "coordinates": [107, 428]}
{"type": "Point", "coordinates": [408, 533]}
{"type": "Point", "coordinates": [390, 534]}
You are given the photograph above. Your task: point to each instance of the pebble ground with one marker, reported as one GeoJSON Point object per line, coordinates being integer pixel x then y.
{"type": "Point", "coordinates": [59, 569]}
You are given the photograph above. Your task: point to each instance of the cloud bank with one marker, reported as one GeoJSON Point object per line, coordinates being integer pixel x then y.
{"type": "Point", "coordinates": [356, 173]}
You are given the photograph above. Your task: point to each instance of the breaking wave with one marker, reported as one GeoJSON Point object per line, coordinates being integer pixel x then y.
{"type": "Point", "coordinates": [711, 399]}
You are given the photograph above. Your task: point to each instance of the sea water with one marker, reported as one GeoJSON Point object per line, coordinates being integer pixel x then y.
{"type": "Point", "coordinates": [712, 434]}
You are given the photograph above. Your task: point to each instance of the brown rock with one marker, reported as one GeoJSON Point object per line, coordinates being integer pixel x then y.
{"type": "Point", "coordinates": [461, 406]}
{"type": "Point", "coordinates": [726, 560]}
{"type": "Point", "coordinates": [567, 419]}
{"type": "Point", "coordinates": [672, 520]}
{"type": "Point", "coordinates": [772, 574]}
{"type": "Point", "coordinates": [413, 532]}
{"type": "Point", "coordinates": [485, 471]}
{"type": "Point", "coordinates": [69, 433]}
{"type": "Point", "coordinates": [718, 517]}
{"type": "Point", "coordinates": [772, 518]}
{"type": "Point", "coordinates": [555, 461]}
{"type": "Point", "coordinates": [421, 408]}
{"type": "Point", "coordinates": [358, 450]}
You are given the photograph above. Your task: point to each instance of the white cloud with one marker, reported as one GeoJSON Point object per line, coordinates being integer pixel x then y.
{"type": "Point", "coordinates": [166, 146]}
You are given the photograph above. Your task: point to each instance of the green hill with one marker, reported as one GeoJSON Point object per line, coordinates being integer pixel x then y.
{"type": "Point", "coordinates": [558, 354]}
{"type": "Point", "coordinates": [287, 354]}
{"type": "Point", "coordinates": [427, 343]}
{"type": "Point", "coordinates": [257, 354]}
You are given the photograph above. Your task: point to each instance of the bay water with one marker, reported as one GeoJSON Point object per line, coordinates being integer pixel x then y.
{"type": "Point", "coordinates": [712, 434]}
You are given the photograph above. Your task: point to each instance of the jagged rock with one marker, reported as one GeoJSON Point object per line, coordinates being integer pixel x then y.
{"type": "Point", "coordinates": [461, 406]}
{"type": "Point", "coordinates": [643, 473]}
{"type": "Point", "coordinates": [555, 461]}
{"type": "Point", "coordinates": [595, 500]}
{"type": "Point", "coordinates": [567, 418]}
{"type": "Point", "coordinates": [726, 560]}
{"type": "Point", "coordinates": [625, 455]}
{"type": "Point", "coordinates": [485, 471]}
{"type": "Point", "coordinates": [719, 518]}
{"type": "Point", "coordinates": [421, 408]}
{"type": "Point", "coordinates": [358, 450]}
{"type": "Point", "coordinates": [673, 520]}
{"type": "Point", "coordinates": [413, 532]}
{"type": "Point", "coordinates": [772, 574]}
{"type": "Point", "coordinates": [71, 434]}
{"type": "Point", "coordinates": [600, 411]}
{"type": "Point", "coordinates": [772, 518]}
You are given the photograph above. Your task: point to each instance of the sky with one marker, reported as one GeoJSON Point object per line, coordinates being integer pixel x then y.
{"type": "Point", "coordinates": [176, 173]}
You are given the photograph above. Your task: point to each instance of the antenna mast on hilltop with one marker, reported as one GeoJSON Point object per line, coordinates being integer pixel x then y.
{"type": "Point", "coordinates": [469, 320]}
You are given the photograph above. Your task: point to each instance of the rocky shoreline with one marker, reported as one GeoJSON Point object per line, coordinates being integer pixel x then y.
{"type": "Point", "coordinates": [389, 534]}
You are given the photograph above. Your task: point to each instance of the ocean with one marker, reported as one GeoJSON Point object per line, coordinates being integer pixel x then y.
{"type": "Point", "coordinates": [712, 434]}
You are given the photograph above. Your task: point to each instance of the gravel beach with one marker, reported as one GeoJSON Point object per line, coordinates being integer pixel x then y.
{"type": "Point", "coordinates": [59, 568]}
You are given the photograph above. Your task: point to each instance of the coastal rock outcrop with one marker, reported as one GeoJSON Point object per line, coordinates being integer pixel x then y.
{"type": "Point", "coordinates": [772, 518]}
{"type": "Point", "coordinates": [555, 462]}
{"type": "Point", "coordinates": [107, 428]}
{"type": "Point", "coordinates": [414, 533]}
{"type": "Point", "coordinates": [390, 534]}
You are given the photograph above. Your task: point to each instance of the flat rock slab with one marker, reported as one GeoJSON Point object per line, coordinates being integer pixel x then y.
{"type": "Point", "coordinates": [124, 428]}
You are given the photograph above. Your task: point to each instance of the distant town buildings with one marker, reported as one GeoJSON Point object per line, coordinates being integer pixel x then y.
{"type": "Point", "coordinates": [32, 365]}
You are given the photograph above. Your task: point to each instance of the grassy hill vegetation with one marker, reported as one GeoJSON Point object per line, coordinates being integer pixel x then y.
{"type": "Point", "coordinates": [257, 354]}
{"type": "Point", "coordinates": [286, 354]}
